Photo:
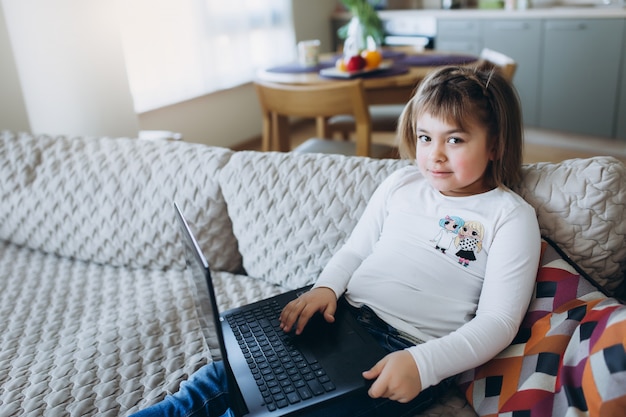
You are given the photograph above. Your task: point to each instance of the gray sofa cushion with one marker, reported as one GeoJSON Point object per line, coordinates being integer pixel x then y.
{"type": "Point", "coordinates": [110, 200]}
{"type": "Point", "coordinates": [581, 205]}
{"type": "Point", "coordinates": [291, 211]}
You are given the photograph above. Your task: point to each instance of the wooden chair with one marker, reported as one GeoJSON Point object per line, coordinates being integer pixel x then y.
{"type": "Point", "coordinates": [385, 117]}
{"type": "Point", "coordinates": [504, 63]}
{"type": "Point", "coordinates": [279, 102]}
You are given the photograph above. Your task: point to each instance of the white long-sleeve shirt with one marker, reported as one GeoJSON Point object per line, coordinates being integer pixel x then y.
{"type": "Point", "coordinates": [461, 290]}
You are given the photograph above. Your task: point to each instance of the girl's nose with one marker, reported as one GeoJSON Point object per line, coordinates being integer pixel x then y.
{"type": "Point", "coordinates": [437, 153]}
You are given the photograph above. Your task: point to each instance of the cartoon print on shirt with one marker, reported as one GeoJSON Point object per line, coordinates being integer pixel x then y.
{"type": "Point", "coordinates": [469, 241]}
{"type": "Point", "coordinates": [449, 228]}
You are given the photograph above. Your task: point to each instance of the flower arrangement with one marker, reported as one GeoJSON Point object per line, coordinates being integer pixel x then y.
{"type": "Point", "coordinates": [362, 37]}
{"type": "Point", "coordinates": [364, 12]}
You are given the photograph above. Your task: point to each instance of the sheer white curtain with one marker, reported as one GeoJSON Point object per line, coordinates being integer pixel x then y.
{"type": "Point", "coordinates": [180, 49]}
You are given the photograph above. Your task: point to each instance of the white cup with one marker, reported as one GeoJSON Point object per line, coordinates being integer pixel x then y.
{"type": "Point", "coordinates": [309, 53]}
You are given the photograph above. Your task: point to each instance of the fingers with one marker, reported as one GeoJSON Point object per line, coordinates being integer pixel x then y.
{"type": "Point", "coordinates": [329, 313]}
{"type": "Point", "coordinates": [291, 314]}
{"type": "Point", "coordinates": [378, 388]}
{"type": "Point", "coordinates": [299, 311]}
{"type": "Point", "coordinates": [303, 318]}
{"type": "Point", "coordinates": [397, 378]}
{"type": "Point", "coordinates": [381, 388]}
{"type": "Point", "coordinates": [374, 372]}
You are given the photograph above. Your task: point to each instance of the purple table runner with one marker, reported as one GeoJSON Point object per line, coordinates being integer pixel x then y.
{"type": "Point", "coordinates": [433, 60]}
{"type": "Point", "coordinates": [296, 68]}
{"type": "Point", "coordinates": [401, 62]}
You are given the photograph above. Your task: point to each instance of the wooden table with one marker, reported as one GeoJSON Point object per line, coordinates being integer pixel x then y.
{"type": "Point", "coordinates": [381, 89]}
{"type": "Point", "coordinates": [395, 88]}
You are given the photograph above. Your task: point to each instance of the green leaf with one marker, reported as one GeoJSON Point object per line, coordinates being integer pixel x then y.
{"type": "Point", "coordinates": [365, 12]}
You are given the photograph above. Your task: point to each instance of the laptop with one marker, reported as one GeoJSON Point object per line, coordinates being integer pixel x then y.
{"type": "Point", "coordinates": [272, 373]}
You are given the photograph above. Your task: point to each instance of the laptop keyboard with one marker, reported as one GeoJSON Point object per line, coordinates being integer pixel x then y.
{"type": "Point", "coordinates": [283, 373]}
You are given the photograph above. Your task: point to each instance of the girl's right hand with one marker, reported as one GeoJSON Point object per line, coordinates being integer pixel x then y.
{"type": "Point", "coordinates": [318, 300]}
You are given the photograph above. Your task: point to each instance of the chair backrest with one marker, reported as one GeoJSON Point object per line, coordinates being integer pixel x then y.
{"type": "Point", "coordinates": [319, 101]}
{"type": "Point", "coordinates": [504, 63]}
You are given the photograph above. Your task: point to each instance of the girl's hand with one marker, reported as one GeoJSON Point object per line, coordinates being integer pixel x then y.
{"type": "Point", "coordinates": [300, 310]}
{"type": "Point", "coordinates": [397, 377]}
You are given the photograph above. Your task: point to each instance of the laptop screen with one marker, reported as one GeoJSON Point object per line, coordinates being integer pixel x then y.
{"type": "Point", "coordinates": [199, 268]}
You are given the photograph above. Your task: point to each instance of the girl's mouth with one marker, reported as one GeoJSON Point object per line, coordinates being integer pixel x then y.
{"type": "Point", "coordinates": [439, 173]}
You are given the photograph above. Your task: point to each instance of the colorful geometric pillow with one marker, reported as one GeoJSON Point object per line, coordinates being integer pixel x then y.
{"type": "Point", "coordinates": [568, 358]}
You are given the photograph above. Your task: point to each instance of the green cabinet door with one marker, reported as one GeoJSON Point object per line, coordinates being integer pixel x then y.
{"type": "Point", "coordinates": [580, 75]}
{"type": "Point", "coordinates": [521, 40]}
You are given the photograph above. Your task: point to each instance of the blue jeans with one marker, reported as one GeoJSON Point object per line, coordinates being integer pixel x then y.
{"type": "Point", "coordinates": [206, 391]}
{"type": "Point", "coordinates": [387, 336]}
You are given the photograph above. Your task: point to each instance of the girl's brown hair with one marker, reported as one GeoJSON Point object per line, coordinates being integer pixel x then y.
{"type": "Point", "coordinates": [480, 94]}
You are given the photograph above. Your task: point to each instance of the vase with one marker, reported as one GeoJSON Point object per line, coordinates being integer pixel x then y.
{"type": "Point", "coordinates": [357, 39]}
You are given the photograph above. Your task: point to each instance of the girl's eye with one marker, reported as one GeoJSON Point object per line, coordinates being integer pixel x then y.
{"type": "Point", "coordinates": [423, 138]}
{"type": "Point", "coordinates": [455, 140]}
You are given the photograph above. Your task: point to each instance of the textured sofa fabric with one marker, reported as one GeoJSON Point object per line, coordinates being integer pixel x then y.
{"type": "Point", "coordinates": [109, 201]}
{"type": "Point", "coordinates": [98, 315]}
{"type": "Point", "coordinates": [80, 338]}
{"type": "Point", "coordinates": [290, 214]}
{"type": "Point", "coordinates": [580, 205]}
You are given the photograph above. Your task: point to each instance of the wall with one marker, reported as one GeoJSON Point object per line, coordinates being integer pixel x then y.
{"type": "Point", "coordinates": [231, 117]}
{"type": "Point", "coordinates": [12, 108]}
{"type": "Point", "coordinates": [70, 63]}
{"type": "Point", "coordinates": [224, 118]}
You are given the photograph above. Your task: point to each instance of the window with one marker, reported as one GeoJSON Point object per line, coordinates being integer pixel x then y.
{"type": "Point", "coordinates": [176, 50]}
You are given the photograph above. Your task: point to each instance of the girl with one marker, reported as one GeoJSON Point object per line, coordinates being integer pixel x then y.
{"type": "Point", "coordinates": [436, 316]}
{"type": "Point", "coordinates": [463, 129]}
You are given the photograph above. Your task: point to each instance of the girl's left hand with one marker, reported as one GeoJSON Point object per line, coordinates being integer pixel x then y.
{"type": "Point", "coordinates": [397, 377]}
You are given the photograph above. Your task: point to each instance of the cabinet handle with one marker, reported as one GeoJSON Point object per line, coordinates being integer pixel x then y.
{"type": "Point", "coordinates": [566, 26]}
{"type": "Point", "coordinates": [511, 26]}
{"type": "Point", "coordinates": [459, 25]}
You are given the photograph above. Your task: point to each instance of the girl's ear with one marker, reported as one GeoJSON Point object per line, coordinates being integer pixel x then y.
{"type": "Point", "coordinates": [493, 154]}
{"type": "Point", "coordinates": [494, 151]}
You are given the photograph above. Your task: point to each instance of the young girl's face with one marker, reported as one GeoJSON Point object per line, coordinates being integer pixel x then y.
{"type": "Point", "coordinates": [452, 159]}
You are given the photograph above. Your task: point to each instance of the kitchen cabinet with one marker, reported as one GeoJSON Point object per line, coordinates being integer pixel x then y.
{"type": "Point", "coordinates": [621, 106]}
{"type": "Point", "coordinates": [579, 75]}
{"type": "Point", "coordinates": [459, 35]}
{"type": "Point", "coordinates": [568, 69]}
{"type": "Point", "coordinates": [521, 40]}
{"type": "Point", "coordinates": [518, 38]}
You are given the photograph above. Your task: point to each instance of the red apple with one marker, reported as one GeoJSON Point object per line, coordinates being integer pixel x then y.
{"type": "Point", "coordinates": [356, 63]}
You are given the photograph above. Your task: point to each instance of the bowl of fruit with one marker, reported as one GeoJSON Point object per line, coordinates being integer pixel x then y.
{"type": "Point", "coordinates": [353, 65]}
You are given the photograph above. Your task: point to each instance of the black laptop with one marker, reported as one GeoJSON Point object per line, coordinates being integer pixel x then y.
{"type": "Point", "coordinates": [272, 373]}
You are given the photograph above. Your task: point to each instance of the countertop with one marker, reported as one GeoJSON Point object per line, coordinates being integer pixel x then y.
{"type": "Point", "coordinates": [540, 13]}
{"type": "Point", "coordinates": [566, 12]}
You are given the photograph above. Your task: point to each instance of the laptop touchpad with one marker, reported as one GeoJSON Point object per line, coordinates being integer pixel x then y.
{"type": "Point", "coordinates": [326, 338]}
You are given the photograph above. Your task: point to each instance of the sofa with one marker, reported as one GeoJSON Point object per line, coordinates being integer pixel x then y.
{"type": "Point", "coordinates": [98, 316]}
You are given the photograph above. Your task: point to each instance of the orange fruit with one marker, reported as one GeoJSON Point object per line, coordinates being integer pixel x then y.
{"type": "Point", "coordinates": [373, 58]}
